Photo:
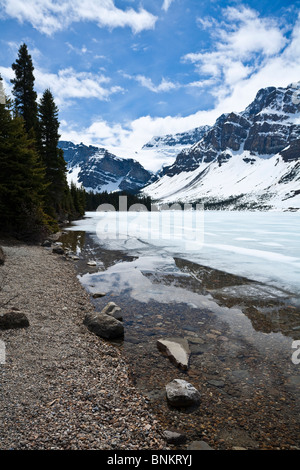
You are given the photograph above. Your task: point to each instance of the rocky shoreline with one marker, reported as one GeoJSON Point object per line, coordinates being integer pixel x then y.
{"type": "Point", "coordinates": [62, 387]}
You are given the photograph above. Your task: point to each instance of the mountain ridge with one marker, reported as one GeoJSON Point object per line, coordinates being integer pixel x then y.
{"type": "Point", "coordinates": [238, 158]}
{"type": "Point", "coordinates": [98, 170]}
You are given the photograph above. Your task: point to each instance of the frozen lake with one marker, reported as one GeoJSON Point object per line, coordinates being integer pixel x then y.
{"type": "Point", "coordinates": [263, 246]}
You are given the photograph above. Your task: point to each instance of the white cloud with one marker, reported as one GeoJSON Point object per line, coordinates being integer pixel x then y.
{"type": "Point", "coordinates": [80, 51]}
{"type": "Point", "coordinates": [68, 84]}
{"type": "Point", "coordinates": [164, 86]}
{"type": "Point", "coordinates": [7, 74]}
{"type": "Point", "coordinates": [252, 34]}
{"type": "Point", "coordinates": [248, 53]}
{"type": "Point", "coordinates": [241, 44]}
{"type": "Point", "coordinates": [49, 16]}
{"type": "Point", "coordinates": [166, 5]}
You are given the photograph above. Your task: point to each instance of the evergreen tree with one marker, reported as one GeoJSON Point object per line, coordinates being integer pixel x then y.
{"type": "Point", "coordinates": [23, 89]}
{"type": "Point", "coordinates": [78, 200]}
{"type": "Point", "coordinates": [52, 156]}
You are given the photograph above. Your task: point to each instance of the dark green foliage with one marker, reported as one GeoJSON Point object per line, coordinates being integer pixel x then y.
{"type": "Point", "coordinates": [52, 156]}
{"type": "Point", "coordinates": [78, 198]}
{"type": "Point", "coordinates": [23, 89]}
{"type": "Point", "coordinates": [61, 202]}
{"type": "Point", "coordinates": [21, 179]}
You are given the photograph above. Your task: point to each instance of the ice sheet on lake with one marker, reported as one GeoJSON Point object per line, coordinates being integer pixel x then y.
{"type": "Point", "coordinates": [263, 246]}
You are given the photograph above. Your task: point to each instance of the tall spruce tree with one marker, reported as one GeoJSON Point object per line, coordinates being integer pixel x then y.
{"type": "Point", "coordinates": [52, 156]}
{"type": "Point", "coordinates": [23, 89]}
{"type": "Point", "coordinates": [21, 179]}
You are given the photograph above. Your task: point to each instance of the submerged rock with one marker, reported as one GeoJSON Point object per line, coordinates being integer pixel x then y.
{"type": "Point", "coordinates": [91, 263]}
{"type": "Point", "coordinates": [177, 350]}
{"type": "Point", "coordinates": [47, 243]}
{"type": "Point", "coordinates": [199, 445]}
{"type": "Point", "coordinates": [72, 255]}
{"type": "Point", "coordinates": [182, 393]}
{"type": "Point", "coordinates": [96, 295]}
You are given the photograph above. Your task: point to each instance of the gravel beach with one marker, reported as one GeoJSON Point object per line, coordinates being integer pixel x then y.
{"type": "Point", "coordinates": [61, 386]}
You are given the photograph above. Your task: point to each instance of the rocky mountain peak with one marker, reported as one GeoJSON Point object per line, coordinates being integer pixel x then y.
{"type": "Point", "coordinates": [279, 101]}
{"type": "Point", "coordinates": [231, 159]}
{"type": "Point", "coordinates": [265, 128]}
{"type": "Point", "coordinates": [96, 169]}
{"type": "Point", "coordinates": [186, 138]}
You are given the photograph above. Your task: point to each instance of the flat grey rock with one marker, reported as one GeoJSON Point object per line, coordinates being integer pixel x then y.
{"type": "Point", "coordinates": [177, 350]}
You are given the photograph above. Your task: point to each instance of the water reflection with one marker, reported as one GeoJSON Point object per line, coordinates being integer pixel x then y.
{"type": "Point", "coordinates": [269, 309]}
{"type": "Point", "coordinates": [83, 245]}
{"type": "Point", "coordinates": [73, 241]}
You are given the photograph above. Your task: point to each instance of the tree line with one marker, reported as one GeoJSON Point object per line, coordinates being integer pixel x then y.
{"type": "Point", "coordinates": [94, 200]}
{"type": "Point", "coordinates": [34, 193]}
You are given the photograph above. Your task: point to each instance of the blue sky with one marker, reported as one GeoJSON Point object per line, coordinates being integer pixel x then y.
{"type": "Point", "coordinates": [122, 71]}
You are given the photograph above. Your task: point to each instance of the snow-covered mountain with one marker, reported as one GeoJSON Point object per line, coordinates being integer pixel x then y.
{"type": "Point", "coordinates": [247, 160]}
{"type": "Point", "coordinates": [98, 170]}
{"type": "Point", "coordinates": [182, 139]}
{"type": "Point", "coordinates": [163, 150]}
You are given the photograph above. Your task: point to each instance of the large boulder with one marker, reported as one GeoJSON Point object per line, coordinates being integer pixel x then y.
{"type": "Point", "coordinates": [103, 325]}
{"type": "Point", "coordinates": [13, 319]}
{"type": "Point", "coordinates": [2, 256]}
{"type": "Point", "coordinates": [181, 393]}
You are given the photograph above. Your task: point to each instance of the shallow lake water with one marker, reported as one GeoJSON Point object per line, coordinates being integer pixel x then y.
{"type": "Point", "coordinates": [240, 329]}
